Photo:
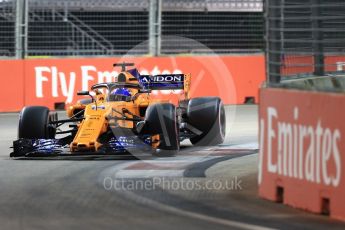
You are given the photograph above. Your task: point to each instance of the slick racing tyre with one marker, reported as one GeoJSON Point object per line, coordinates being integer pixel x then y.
{"type": "Point", "coordinates": [161, 119]}
{"type": "Point", "coordinates": [34, 123]}
{"type": "Point", "coordinates": [207, 114]}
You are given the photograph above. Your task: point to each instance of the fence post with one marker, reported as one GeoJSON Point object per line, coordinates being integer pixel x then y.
{"type": "Point", "coordinates": [26, 28]}
{"type": "Point", "coordinates": [274, 43]}
{"type": "Point", "coordinates": [155, 15]}
{"type": "Point", "coordinates": [317, 35]}
{"type": "Point", "coordinates": [21, 28]}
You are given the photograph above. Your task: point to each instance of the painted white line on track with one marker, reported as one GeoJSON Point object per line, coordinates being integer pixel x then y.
{"type": "Point", "coordinates": [249, 146]}
{"type": "Point", "coordinates": [178, 160]}
{"type": "Point", "coordinates": [127, 174]}
{"type": "Point", "coordinates": [8, 114]}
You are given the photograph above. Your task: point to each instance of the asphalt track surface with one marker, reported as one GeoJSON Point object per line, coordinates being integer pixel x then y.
{"type": "Point", "coordinates": [158, 193]}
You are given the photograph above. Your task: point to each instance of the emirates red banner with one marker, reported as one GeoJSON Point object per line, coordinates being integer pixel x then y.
{"type": "Point", "coordinates": [302, 149]}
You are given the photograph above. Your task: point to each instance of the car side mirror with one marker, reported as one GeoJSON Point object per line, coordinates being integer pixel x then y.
{"type": "Point", "coordinates": [83, 93]}
{"type": "Point", "coordinates": [145, 90]}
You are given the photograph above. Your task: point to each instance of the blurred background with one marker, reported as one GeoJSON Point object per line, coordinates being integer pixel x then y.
{"type": "Point", "coordinates": [60, 28]}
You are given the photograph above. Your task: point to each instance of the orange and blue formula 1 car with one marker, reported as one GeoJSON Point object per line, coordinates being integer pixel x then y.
{"type": "Point", "coordinates": [121, 117]}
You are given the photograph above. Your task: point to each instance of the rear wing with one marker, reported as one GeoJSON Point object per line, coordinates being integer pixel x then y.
{"type": "Point", "coordinates": [166, 82]}
{"type": "Point", "coordinates": [163, 81]}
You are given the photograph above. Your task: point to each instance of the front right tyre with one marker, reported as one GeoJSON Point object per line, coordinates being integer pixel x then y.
{"type": "Point", "coordinates": [161, 119]}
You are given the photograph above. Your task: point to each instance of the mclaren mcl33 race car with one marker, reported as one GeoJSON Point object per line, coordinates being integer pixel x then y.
{"type": "Point", "coordinates": [122, 116]}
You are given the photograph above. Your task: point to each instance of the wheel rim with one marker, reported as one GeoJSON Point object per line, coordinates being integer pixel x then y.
{"type": "Point", "coordinates": [222, 121]}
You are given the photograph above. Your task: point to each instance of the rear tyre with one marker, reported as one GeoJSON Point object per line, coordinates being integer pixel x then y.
{"type": "Point", "coordinates": [207, 114]}
{"type": "Point", "coordinates": [161, 119]}
{"type": "Point", "coordinates": [34, 123]}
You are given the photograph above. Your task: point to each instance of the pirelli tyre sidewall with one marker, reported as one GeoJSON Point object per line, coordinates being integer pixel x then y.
{"type": "Point", "coordinates": [161, 119]}
{"type": "Point", "coordinates": [34, 123]}
{"type": "Point", "coordinates": [207, 114]}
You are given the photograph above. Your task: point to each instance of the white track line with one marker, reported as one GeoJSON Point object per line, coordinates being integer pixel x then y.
{"type": "Point", "coordinates": [127, 174]}
{"type": "Point", "coordinates": [249, 146]}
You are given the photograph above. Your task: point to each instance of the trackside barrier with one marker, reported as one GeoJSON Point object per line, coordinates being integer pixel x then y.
{"type": "Point", "coordinates": [12, 85]}
{"type": "Point", "coordinates": [302, 150]}
{"type": "Point", "coordinates": [305, 64]}
{"type": "Point", "coordinates": [50, 81]}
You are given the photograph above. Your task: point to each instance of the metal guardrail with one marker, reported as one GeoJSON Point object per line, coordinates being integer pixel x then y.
{"type": "Point", "coordinates": [304, 38]}
{"type": "Point", "coordinates": [7, 29]}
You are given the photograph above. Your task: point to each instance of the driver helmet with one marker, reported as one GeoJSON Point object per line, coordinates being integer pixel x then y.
{"type": "Point", "coordinates": [121, 94]}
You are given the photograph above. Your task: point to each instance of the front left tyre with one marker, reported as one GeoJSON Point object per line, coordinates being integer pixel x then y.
{"type": "Point", "coordinates": [34, 123]}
